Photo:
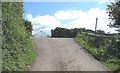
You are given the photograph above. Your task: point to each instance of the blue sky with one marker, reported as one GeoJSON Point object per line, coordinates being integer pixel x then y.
{"type": "Point", "coordinates": [49, 15]}
{"type": "Point", "coordinates": [43, 8]}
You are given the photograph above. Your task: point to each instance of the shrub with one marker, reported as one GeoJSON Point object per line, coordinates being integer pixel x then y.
{"type": "Point", "coordinates": [17, 48]}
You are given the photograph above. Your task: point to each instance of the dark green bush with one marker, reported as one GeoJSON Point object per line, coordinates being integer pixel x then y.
{"type": "Point", "coordinates": [66, 33]}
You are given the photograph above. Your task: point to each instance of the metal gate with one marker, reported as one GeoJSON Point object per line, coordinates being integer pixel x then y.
{"type": "Point", "coordinates": [42, 33]}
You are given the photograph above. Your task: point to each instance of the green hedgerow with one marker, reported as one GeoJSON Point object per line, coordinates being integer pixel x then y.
{"type": "Point", "coordinates": [17, 47]}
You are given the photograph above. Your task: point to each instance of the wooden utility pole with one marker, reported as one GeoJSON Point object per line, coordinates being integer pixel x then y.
{"type": "Point", "coordinates": [96, 25]}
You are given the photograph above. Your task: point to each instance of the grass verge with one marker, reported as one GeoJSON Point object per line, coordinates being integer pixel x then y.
{"type": "Point", "coordinates": [100, 52]}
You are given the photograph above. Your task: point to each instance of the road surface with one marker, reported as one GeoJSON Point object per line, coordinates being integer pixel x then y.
{"type": "Point", "coordinates": [63, 54]}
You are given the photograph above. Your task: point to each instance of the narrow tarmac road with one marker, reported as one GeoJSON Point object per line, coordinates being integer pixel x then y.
{"type": "Point", "coordinates": [63, 54]}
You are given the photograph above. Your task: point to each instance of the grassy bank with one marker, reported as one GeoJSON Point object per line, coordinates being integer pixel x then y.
{"type": "Point", "coordinates": [102, 48]}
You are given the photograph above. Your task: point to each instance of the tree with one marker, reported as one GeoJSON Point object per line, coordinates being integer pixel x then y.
{"type": "Point", "coordinates": [114, 15]}
{"type": "Point", "coordinates": [28, 26]}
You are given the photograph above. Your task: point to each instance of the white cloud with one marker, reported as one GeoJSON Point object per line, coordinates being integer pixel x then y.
{"type": "Point", "coordinates": [47, 21]}
{"type": "Point", "coordinates": [29, 17]}
{"type": "Point", "coordinates": [86, 19]}
{"type": "Point", "coordinates": [68, 15]}
{"type": "Point", "coordinates": [107, 1]}
{"type": "Point", "coordinates": [76, 18]}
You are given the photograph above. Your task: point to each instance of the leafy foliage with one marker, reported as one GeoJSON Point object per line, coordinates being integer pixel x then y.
{"type": "Point", "coordinates": [28, 26]}
{"type": "Point", "coordinates": [62, 32]}
{"type": "Point", "coordinates": [114, 14]}
{"type": "Point", "coordinates": [103, 48]}
{"type": "Point", "coordinates": [17, 48]}
{"type": "Point", "coordinates": [100, 32]}
{"type": "Point", "coordinates": [68, 33]}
